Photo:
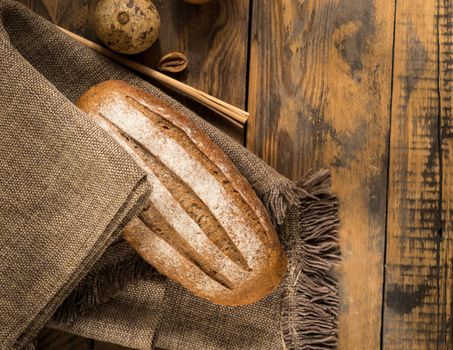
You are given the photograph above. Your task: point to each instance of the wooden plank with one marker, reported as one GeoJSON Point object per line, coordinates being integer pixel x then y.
{"type": "Point", "coordinates": [417, 313]}
{"type": "Point", "coordinates": [50, 339]}
{"type": "Point", "coordinates": [36, 6]}
{"type": "Point", "coordinates": [320, 76]}
{"type": "Point", "coordinates": [214, 37]}
{"type": "Point", "coordinates": [445, 25]}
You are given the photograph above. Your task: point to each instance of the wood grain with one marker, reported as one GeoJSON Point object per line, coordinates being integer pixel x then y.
{"type": "Point", "coordinates": [417, 312]}
{"type": "Point", "coordinates": [37, 7]}
{"type": "Point", "coordinates": [214, 37]}
{"type": "Point", "coordinates": [320, 76]}
{"type": "Point", "coordinates": [445, 45]}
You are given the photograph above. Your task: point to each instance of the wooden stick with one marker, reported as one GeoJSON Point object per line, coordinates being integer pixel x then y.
{"type": "Point", "coordinates": [233, 114]}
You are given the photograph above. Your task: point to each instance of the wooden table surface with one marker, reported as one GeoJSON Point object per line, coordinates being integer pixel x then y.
{"type": "Point", "coordinates": [362, 87]}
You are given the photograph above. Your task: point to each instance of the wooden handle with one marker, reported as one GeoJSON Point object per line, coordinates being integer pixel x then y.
{"type": "Point", "coordinates": [233, 114]}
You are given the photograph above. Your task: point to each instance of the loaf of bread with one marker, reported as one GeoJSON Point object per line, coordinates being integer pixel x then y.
{"type": "Point", "coordinates": [203, 225]}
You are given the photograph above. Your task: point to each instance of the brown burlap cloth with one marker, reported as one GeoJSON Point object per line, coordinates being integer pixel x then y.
{"type": "Point", "coordinates": [66, 191]}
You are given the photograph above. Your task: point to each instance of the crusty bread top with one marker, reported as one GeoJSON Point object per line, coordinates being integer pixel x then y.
{"type": "Point", "coordinates": [174, 150]}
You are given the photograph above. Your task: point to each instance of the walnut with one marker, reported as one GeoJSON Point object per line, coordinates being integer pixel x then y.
{"type": "Point", "coordinates": [174, 62]}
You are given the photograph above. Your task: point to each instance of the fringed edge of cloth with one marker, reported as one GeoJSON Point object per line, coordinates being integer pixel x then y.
{"type": "Point", "coordinates": [310, 306]}
{"type": "Point", "coordinates": [102, 286]}
{"type": "Point", "coordinates": [281, 197]}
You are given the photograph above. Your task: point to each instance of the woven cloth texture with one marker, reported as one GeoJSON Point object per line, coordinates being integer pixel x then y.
{"type": "Point", "coordinates": [61, 167]}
